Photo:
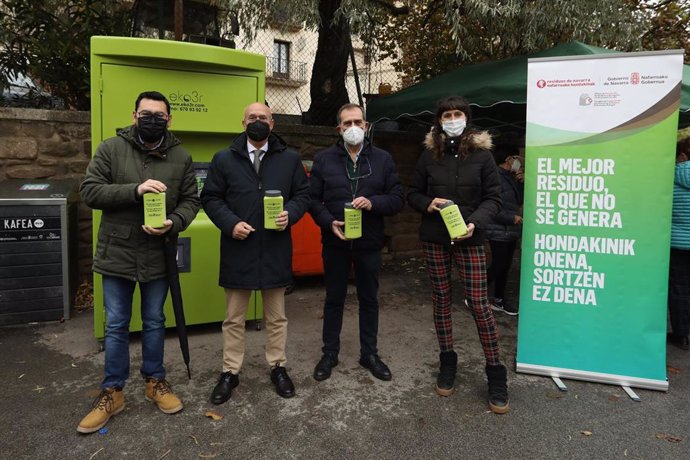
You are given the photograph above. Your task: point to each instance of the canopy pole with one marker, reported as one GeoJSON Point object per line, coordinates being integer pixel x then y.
{"type": "Point", "coordinates": [356, 75]}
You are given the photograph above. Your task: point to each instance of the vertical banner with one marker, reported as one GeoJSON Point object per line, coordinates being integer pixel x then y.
{"type": "Point", "coordinates": [600, 153]}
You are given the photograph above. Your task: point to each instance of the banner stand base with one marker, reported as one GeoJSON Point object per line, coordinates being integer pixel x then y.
{"type": "Point", "coordinates": [631, 393]}
{"type": "Point", "coordinates": [598, 377]}
{"type": "Point", "coordinates": [559, 383]}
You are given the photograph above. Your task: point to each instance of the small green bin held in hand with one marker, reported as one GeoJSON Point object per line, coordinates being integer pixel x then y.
{"type": "Point", "coordinates": [452, 217]}
{"type": "Point", "coordinates": [273, 206]}
{"type": "Point", "coordinates": [154, 209]}
{"type": "Point", "coordinates": [353, 222]}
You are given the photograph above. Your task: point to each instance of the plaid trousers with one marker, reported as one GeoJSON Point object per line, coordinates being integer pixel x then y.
{"type": "Point", "coordinates": [471, 261]}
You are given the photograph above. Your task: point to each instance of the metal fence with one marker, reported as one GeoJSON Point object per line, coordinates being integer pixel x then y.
{"type": "Point", "coordinates": [289, 64]}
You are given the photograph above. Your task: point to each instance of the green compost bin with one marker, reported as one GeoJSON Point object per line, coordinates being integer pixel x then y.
{"type": "Point", "coordinates": [208, 88]}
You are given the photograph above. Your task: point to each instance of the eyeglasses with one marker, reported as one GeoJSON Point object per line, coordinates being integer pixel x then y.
{"type": "Point", "coordinates": [349, 123]}
{"type": "Point", "coordinates": [362, 175]}
{"type": "Point", "coordinates": [147, 114]}
{"type": "Point", "coordinates": [252, 118]}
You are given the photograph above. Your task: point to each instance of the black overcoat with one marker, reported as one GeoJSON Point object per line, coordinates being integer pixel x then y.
{"type": "Point", "coordinates": [234, 192]}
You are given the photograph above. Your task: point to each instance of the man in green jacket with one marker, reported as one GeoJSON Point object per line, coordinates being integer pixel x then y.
{"type": "Point", "coordinates": [143, 158]}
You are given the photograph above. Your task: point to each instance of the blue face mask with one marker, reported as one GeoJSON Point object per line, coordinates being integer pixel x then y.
{"type": "Point", "coordinates": [454, 128]}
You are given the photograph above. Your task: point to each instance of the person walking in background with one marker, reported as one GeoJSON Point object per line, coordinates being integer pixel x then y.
{"type": "Point", "coordinates": [505, 229]}
{"type": "Point", "coordinates": [679, 274]}
{"type": "Point", "coordinates": [457, 165]}
{"type": "Point", "coordinates": [143, 158]}
{"type": "Point", "coordinates": [353, 171]}
{"type": "Point", "coordinates": [253, 257]}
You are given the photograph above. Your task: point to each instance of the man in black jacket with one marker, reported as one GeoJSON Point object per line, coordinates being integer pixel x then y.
{"type": "Point", "coordinates": [353, 171]}
{"type": "Point", "coordinates": [253, 257]}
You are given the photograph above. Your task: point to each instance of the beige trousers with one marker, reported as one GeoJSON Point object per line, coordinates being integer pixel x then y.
{"type": "Point", "coordinates": [233, 327]}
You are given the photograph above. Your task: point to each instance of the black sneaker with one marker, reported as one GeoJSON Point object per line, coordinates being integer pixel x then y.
{"type": "Point", "coordinates": [500, 305]}
{"type": "Point", "coordinates": [681, 342]}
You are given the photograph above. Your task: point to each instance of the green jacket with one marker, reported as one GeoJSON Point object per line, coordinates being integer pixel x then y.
{"type": "Point", "coordinates": [119, 165]}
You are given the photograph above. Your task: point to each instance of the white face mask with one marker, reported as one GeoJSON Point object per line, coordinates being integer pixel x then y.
{"type": "Point", "coordinates": [515, 167]}
{"type": "Point", "coordinates": [454, 128]}
{"type": "Point", "coordinates": [354, 135]}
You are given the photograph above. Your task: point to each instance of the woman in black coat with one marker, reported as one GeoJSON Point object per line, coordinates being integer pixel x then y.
{"type": "Point", "coordinates": [457, 165]}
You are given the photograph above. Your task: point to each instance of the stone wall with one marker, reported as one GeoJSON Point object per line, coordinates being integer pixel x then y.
{"type": "Point", "coordinates": [49, 144]}
{"type": "Point", "coordinates": [403, 228]}
{"type": "Point", "coordinates": [45, 144]}
{"type": "Point", "coordinates": [307, 140]}
{"type": "Point", "coordinates": [42, 144]}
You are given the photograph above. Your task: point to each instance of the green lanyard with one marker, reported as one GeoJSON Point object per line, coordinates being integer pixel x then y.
{"type": "Point", "coordinates": [352, 174]}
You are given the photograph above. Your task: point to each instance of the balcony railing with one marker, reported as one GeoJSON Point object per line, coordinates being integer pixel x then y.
{"type": "Point", "coordinates": [281, 69]}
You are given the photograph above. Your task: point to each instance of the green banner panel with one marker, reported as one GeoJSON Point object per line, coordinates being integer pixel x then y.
{"type": "Point", "coordinates": [600, 155]}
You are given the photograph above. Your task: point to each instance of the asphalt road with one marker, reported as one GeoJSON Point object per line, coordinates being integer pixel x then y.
{"type": "Point", "coordinates": [50, 373]}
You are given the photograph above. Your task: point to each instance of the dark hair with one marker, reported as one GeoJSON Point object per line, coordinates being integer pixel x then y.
{"type": "Point", "coordinates": [503, 151]}
{"type": "Point", "coordinates": [683, 146]}
{"type": "Point", "coordinates": [438, 136]}
{"type": "Point", "coordinates": [348, 106]}
{"type": "Point", "coordinates": [153, 95]}
{"type": "Point", "coordinates": [453, 103]}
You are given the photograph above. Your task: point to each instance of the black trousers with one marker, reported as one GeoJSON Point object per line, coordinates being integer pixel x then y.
{"type": "Point", "coordinates": [679, 292]}
{"type": "Point", "coordinates": [337, 263]}
{"type": "Point", "coordinates": [501, 260]}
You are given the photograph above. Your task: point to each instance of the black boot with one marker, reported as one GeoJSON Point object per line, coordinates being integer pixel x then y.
{"type": "Point", "coordinates": [446, 374]}
{"type": "Point", "coordinates": [498, 388]}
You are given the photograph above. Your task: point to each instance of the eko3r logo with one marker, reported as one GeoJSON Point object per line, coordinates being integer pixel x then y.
{"type": "Point", "coordinates": [178, 96]}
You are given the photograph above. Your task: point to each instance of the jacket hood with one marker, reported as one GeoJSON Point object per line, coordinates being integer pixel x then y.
{"type": "Point", "coordinates": [478, 140]}
{"type": "Point", "coordinates": [132, 135]}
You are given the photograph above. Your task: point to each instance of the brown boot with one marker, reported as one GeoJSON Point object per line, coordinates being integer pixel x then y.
{"type": "Point", "coordinates": [159, 391]}
{"type": "Point", "coordinates": [111, 401]}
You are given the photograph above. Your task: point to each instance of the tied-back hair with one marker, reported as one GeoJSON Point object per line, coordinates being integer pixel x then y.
{"type": "Point", "coordinates": [438, 135]}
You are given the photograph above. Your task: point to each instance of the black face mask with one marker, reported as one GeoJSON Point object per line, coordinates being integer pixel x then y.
{"type": "Point", "coordinates": [151, 129]}
{"type": "Point", "coordinates": [258, 130]}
